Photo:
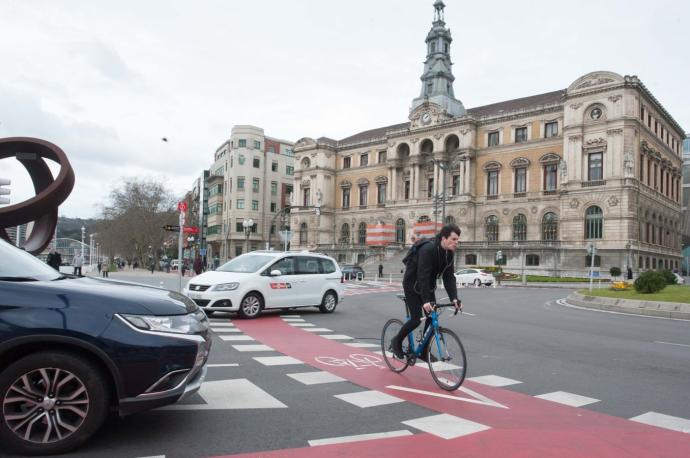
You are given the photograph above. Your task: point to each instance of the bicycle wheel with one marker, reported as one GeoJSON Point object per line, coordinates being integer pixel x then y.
{"type": "Point", "coordinates": [447, 361]}
{"type": "Point", "coordinates": [390, 330]}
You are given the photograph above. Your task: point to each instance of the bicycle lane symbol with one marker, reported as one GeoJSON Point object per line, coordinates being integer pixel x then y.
{"type": "Point", "coordinates": [355, 360]}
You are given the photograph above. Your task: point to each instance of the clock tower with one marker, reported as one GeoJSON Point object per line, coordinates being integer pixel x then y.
{"type": "Point", "coordinates": [437, 98]}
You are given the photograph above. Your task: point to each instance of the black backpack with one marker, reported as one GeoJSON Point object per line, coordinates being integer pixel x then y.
{"type": "Point", "coordinates": [410, 258]}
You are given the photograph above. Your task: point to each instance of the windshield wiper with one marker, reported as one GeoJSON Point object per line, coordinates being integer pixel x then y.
{"type": "Point", "coordinates": [18, 279]}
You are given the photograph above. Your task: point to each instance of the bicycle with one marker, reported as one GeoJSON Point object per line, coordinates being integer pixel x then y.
{"type": "Point", "coordinates": [445, 354]}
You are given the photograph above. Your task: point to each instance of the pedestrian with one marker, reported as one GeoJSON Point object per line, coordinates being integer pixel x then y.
{"type": "Point", "coordinates": [427, 261]}
{"type": "Point", "coordinates": [77, 263]}
{"type": "Point", "coordinates": [99, 266]}
{"type": "Point", "coordinates": [630, 274]}
{"type": "Point", "coordinates": [152, 266]}
{"type": "Point", "coordinates": [54, 259]}
{"type": "Point", "coordinates": [106, 269]}
{"type": "Point", "coordinates": [380, 270]}
{"type": "Point", "coordinates": [198, 265]}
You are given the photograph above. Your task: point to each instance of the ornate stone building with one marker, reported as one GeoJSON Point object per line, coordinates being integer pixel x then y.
{"type": "Point", "coordinates": [538, 178]}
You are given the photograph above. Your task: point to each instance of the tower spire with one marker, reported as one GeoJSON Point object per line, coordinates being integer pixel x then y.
{"type": "Point", "coordinates": [437, 79]}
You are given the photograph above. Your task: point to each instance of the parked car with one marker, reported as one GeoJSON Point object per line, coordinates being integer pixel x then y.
{"type": "Point", "coordinates": [269, 279]}
{"type": "Point", "coordinates": [477, 277]}
{"type": "Point", "coordinates": [73, 348]}
{"type": "Point", "coordinates": [351, 271]}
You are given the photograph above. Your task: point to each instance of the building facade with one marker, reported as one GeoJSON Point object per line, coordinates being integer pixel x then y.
{"type": "Point", "coordinates": [250, 180]}
{"type": "Point", "coordinates": [538, 178]}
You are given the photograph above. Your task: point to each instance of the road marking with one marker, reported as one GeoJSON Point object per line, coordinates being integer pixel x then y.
{"type": "Point", "coordinates": [568, 399]}
{"type": "Point", "coordinates": [277, 360]}
{"type": "Point", "coordinates": [478, 398]}
{"type": "Point", "coordinates": [671, 343]}
{"type": "Point", "coordinates": [446, 426]}
{"type": "Point", "coordinates": [370, 398]}
{"type": "Point", "coordinates": [664, 421]}
{"type": "Point", "coordinates": [293, 320]}
{"type": "Point", "coordinates": [258, 347]}
{"type": "Point", "coordinates": [362, 345]}
{"type": "Point", "coordinates": [355, 360]}
{"type": "Point", "coordinates": [229, 395]}
{"type": "Point", "coordinates": [222, 325]}
{"type": "Point", "coordinates": [358, 438]}
{"type": "Point", "coordinates": [226, 331]}
{"type": "Point", "coordinates": [223, 365]}
{"type": "Point", "coordinates": [316, 378]}
{"type": "Point", "coordinates": [494, 380]}
{"type": "Point", "coordinates": [236, 338]}
{"type": "Point", "coordinates": [302, 325]}
{"type": "Point", "coordinates": [290, 316]}
{"type": "Point", "coordinates": [337, 337]}
{"type": "Point", "coordinates": [319, 330]}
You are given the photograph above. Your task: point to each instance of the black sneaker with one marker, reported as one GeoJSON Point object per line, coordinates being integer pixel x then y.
{"type": "Point", "coordinates": [396, 348]}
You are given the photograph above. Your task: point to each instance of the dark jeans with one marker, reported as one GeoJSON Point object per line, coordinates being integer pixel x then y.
{"type": "Point", "coordinates": [77, 271]}
{"type": "Point", "coordinates": [414, 305]}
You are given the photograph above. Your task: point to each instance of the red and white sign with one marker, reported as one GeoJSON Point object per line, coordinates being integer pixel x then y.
{"type": "Point", "coordinates": [380, 234]}
{"type": "Point", "coordinates": [191, 230]}
{"type": "Point", "coordinates": [182, 207]}
{"type": "Point", "coordinates": [426, 229]}
{"type": "Point", "coordinates": [281, 285]}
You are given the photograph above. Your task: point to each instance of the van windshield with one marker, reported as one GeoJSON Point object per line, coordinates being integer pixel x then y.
{"type": "Point", "coordinates": [247, 263]}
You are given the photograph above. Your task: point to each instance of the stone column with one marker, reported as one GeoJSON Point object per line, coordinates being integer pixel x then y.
{"type": "Point", "coordinates": [393, 184]}
{"type": "Point", "coordinates": [389, 193]}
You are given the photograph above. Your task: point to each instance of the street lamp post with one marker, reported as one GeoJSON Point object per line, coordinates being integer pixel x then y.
{"type": "Point", "coordinates": [441, 196]}
{"type": "Point", "coordinates": [90, 249]}
{"type": "Point", "coordinates": [83, 229]}
{"type": "Point", "coordinates": [247, 224]}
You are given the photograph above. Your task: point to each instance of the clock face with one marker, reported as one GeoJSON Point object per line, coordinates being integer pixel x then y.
{"type": "Point", "coordinates": [426, 117]}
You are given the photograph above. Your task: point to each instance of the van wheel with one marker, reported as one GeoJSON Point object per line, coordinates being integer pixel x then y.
{"type": "Point", "coordinates": [329, 302]}
{"type": "Point", "coordinates": [477, 282]}
{"type": "Point", "coordinates": [251, 305]}
{"type": "Point", "coordinates": [52, 402]}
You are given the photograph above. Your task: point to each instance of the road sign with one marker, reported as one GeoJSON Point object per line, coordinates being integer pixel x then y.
{"type": "Point", "coordinates": [191, 230]}
{"type": "Point", "coordinates": [202, 252]}
{"type": "Point", "coordinates": [182, 207]}
{"type": "Point", "coordinates": [171, 228]}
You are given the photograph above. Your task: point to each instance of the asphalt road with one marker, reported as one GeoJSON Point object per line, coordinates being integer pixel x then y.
{"type": "Point", "coordinates": [629, 365]}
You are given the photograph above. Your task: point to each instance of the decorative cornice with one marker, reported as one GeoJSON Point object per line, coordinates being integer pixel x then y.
{"type": "Point", "coordinates": [613, 132]}
{"type": "Point", "coordinates": [520, 162]}
{"type": "Point", "coordinates": [615, 98]}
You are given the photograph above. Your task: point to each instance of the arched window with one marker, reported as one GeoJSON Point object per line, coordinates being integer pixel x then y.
{"type": "Point", "coordinates": [450, 220]}
{"type": "Point", "coordinates": [427, 146]}
{"type": "Point", "coordinates": [303, 234]}
{"type": "Point", "coordinates": [400, 231]}
{"type": "Point", "coordinates": [492, 228]}
{"type": "Point", "coordinates": [549, 227]}
{"type": "Point", "coordinates": [594, 223]}
{"type": "Point", "coordinates": [362, 233]}
{"type": "Point", "coordinates": [520, 227]}
{"type": "Point", "coordinates": [345, 233]}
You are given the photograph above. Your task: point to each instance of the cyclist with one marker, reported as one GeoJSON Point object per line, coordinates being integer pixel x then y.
{"type": "Point", "coordinates": [433, 259]}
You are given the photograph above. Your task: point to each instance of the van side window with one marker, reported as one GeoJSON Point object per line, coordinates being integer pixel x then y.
{"type": "Point", "coordinates": [285, 265]}
{"type": "Point", "coordinates": [327, 266]}
{"type": "Point", "coordinates": [307, 265]}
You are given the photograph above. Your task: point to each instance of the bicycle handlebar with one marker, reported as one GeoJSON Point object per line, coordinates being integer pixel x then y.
{"type": "Point", "coordinates": [438, 306]}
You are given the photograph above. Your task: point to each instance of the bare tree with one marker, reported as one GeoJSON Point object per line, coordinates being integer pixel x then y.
{"type": "Point", "coordinates": [132, 221]}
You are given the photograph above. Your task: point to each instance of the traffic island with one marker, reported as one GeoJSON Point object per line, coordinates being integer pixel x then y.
{"type": "Point", "coordinates": [675, 310]}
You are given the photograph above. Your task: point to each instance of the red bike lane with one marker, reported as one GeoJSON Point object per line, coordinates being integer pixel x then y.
{"type": "Point", "coordinates": [515, 424]}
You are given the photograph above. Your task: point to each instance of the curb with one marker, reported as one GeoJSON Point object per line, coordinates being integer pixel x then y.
{"type": "Point", "coordinates": [674, 310]}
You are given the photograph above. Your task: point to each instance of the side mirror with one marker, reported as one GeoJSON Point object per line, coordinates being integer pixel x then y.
{"type": "Point", "coordinates": [276, 273]}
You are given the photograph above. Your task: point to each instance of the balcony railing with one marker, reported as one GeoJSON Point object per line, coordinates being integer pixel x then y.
{"type": "Point", "coordinates": [587, 184]}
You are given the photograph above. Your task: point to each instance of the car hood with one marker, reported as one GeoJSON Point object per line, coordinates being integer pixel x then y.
{"type": "Point", "coordinates": [109, 295]}
{"type": "Point", "coordinates": [215, 277]}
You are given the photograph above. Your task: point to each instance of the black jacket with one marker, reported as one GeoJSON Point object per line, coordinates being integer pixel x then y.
{"type": "Point", "coordinates": [432, 262]}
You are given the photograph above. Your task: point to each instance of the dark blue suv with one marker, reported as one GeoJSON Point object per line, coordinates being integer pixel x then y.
{"type": "Point", "coordinates": [72, 349]}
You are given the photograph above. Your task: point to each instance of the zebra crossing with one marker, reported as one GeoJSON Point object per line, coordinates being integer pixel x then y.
{"type": "Point", "coordinates": [355, 288]}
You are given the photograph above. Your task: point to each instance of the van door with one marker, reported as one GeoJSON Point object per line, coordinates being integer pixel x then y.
{"type": "Point", "coordinates": [311, 284]}
{"type": "Point", "coordinates": [281, 291]}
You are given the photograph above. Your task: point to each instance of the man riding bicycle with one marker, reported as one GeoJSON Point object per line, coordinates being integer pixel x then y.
{"type": "Point", "coordinates": [432, 259]}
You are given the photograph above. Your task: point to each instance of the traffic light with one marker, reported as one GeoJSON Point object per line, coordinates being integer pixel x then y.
{"type": "Point", "coordinates": [4, 191]}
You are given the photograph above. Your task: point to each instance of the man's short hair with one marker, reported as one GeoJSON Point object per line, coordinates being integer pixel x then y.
{"type": "Point", "coordinates": [449, 229]}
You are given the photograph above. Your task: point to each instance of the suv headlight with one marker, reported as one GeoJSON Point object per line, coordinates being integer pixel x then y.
{"type": "Point", "coordinates": [226, 286]}
{"type": "Point", "coordinates": [192, 323]}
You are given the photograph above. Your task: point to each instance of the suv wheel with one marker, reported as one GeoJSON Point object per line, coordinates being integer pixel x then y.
{"type": "Point", "coordinates": [52, 402]}
{"type": "Point", "coordinates": [329, 302]}
{"type": "Point", "coordinates": [477, 282]}
{"type": "Point", "coordinates": [251, 305]}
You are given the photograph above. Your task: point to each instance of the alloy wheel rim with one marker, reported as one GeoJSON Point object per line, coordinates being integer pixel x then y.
{"type": "Point", "coordinates": [45, 405]}
{"type": "Point", "coordinates": [330, 302]}
{"type": "Point", "coordinates": [251, 305]}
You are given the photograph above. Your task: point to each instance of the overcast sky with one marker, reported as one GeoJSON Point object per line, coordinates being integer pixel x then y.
{"type": "Point", "coordinates": [106, 80]}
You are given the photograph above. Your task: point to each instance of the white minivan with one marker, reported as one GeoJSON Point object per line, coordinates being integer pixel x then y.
{"type": "Point", "coordinates": [269, 280]}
